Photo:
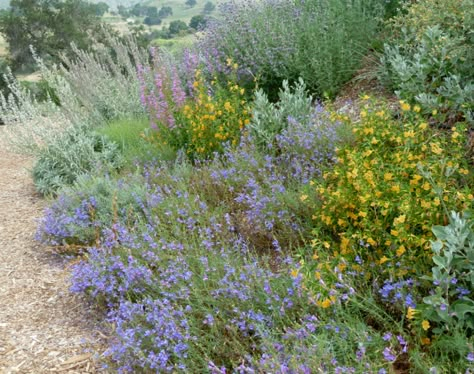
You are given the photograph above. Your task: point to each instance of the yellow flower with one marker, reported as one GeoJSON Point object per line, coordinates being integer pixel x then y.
{"type": "Point", "coordinates": [229, 61]}
{"type": "Point", "coordinates": [409, 134]}
{"type": "Point", "coordinates": [326, 303]}
{"type": "Point", "coordinates": [401, 250]}
{"type": "Point", "coordinates": [372, 242]}
{"type": "Point", "coordinates": [365, 97]}
{"type": "Point", "coordinates": [399, 220]}
{"type": "Point", "coordinates": [435, 148]}
{"type": "Point", "coordinates": [425, 325]}
{"type": "Point", "coordinates": [423, 126]}
{"type": "Point", "coordinates": [425, 341]}
{"type": "Point", "coordinates": [396, 188]}
{"type": "Point", "coordinates": [294, 273]}
{"type": "Point", "coordinates": [388, 176]}
{"type": "Point", "coordinates": [383, 260]}
{"type": "Point", "coordinates": [416, 109]}
{"type": "Point", "coordinates": [411, 313]}
{"type": "Point", "coordinates": [303, 197]}
{"type": "Point", "coordinates": [404, 106]}
{"type": "Point", "coordinates": [425, 204]}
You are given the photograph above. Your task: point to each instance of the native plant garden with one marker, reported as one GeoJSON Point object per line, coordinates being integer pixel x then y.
{"type": "Point", "coordinates": [231, 208]}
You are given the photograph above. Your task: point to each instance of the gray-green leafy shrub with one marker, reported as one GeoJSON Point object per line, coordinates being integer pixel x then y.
{"type": "Point", "coordinates": [92, 88]}
{"type": "Point", "coordinates": [427, 72]}
{"type": "Point", "coordinates": [270, 119]}
{"type": "Point", "coordinates": [30, 123]}
{"type": "Point", "coordinates": [77, 151]}
{"type": "Point", "coordinates": [429, 57]}
{"type": "Point", "coordinates": [100, 85]}
{"type": "Point", "coordinates": [452, 305]}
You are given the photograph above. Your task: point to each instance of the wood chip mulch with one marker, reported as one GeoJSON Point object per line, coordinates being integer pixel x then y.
{"type": "Point", "coordinates": [43, 327]}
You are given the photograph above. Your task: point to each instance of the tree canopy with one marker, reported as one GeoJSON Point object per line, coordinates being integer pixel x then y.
{"type": "Point", "coordinates": [49, 26]}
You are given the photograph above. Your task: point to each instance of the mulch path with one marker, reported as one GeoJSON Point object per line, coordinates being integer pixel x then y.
{"type": "Point", "coordinates": [43, 327]}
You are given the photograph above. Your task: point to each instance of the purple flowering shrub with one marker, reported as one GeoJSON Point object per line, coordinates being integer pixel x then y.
{"type": "Point", "coordinates": [203, 302]}
{"type": "Point", "coordinates": [175, 262]}
{"type": "Point", "coordinates": [92, 204]}
{"type": "Point", "coordinates": [173, 296]}
{"type": "Point", "coordinates": [322, 42]}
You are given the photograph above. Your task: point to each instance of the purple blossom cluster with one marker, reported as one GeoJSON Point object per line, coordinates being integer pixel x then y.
{"type": "Point", "coordinates": [260, 182]}
{"type": "Point", "coordinates": [306, 147]}
{"type": "Point", "coordinates": [322, 41]}
{"type": "Point", "coordinates": [162, 92]}
{"type": "Point", "coordinates": [239, 34]}
{"type": "Point", "coordinates": [153, 334]}
{"type": "Point", "coordinates": [68, 220]}
{"type": "Point", "coordinates": [399, 293]}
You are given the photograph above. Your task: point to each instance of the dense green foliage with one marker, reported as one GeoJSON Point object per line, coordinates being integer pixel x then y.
{"type": "Point", "coordinates": [322, 42]}
{"type": "Point", "coordinates": [49, 26]}
{"type": "Point", "coordinates": [261, 230]}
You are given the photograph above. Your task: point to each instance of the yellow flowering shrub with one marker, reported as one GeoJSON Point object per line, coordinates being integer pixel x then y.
{"type": "Point", "coordinates": [213, 115]}
{"type": "Point", "coordinates": [384, 194]}
{"type": "Point", "coordinates": [420, 15]}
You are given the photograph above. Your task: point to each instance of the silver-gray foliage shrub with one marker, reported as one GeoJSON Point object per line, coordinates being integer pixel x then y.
{"type": "Point", "coordinates": [270, 119]}
{"type": "Point", "coordinates": [451, 304]}
{"type": "Point", "coordinates": [92, 87]}
{"type": "Point", "coordinates": [76, 152]}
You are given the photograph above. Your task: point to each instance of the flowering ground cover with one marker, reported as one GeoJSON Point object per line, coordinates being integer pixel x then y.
{"type": "Point", "coordinates": [253, 227]}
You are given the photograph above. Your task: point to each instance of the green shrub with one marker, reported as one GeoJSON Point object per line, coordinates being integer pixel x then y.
{"type": "Point", "coordinates": [451, 305]}
{"type": "Point", "coordinates": [322, 42]}
{"type": "Point", "coordinates": [77, 151]}
{"type": "Point", "coordinates": [382, 197]}
{"type": "Point", "coordinates": [91, 88]}
{"type": "Point", "coordinates": [129, 135]}
{"type": "Point", "coordinates": [269, 120]}
{"type": "Point", "coordinates": [429, 59]}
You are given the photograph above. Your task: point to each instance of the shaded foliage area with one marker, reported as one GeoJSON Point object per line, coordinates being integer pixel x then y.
{"type": "Point", "coordinates": [50, 26]}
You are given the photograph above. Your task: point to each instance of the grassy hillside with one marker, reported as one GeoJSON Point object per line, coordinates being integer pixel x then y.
{"type": "Point", "coordinates": [180, 10]}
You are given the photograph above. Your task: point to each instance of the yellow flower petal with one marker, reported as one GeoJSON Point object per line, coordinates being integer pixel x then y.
{"type": "Point", "coordinates": [411, 313]}
{"type": "Point", "coordinates": [425, 325]}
